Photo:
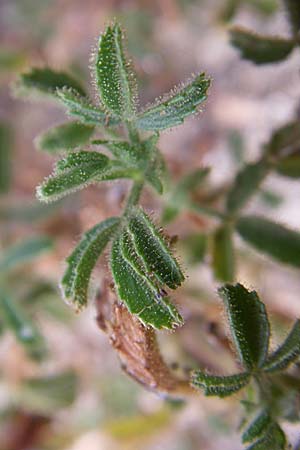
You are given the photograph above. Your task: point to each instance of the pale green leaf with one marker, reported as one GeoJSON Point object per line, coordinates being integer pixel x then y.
{"type": "Point", "coordinates": [76, 279]}
{"type": "Point", "coordinates": [64, 137]}
{"type": "Point", "coordinates": [245, 185]}
{"type": "Point", "coordinates": [271, 238]}
{"type": "Point", "coordinates": [137, 291]}
{"type": "Point", "coordinates": [23, 252]}
{"type": "Point", "coordinates": [178, 105]}
{"type": "Point", "coordinates": [114, 76]}
{"type": "Point", "coordinates": [46, 395]}
{"type": "Point", "coordinates": [72, 173]}
{"type": "Point", "coordinates": [223, 258]}
{"type": "Point", "coordinates": [154, 250]}
{"type": "Point", "coordinates": [221, 386]}
{"type": "Point", "coordinates": [81, 107]}
{"type": "Point", "coordinates": [260, 49]}
{"type": "Point", "coordinates": [287, 353]}
{"type": "Point", "coordinates": [45, 81]}
{"type": "Point", "coordinates": [249, 324]}
{"type": "Point", "coordinates": [15, 319]}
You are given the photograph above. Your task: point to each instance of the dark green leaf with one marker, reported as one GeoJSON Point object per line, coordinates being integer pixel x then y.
{"type": "Point", "coordinates": [223, 260]}
{"type": "Point", "coordinates": [285, 139]}
{"type": "Point", "coordinates": [64, 137]}
{"type": "Point", "coordinates": [257, 427]}
{"type": "Point", "coordinates": [293, 10]}
{"type": "Point", "coordinates": [45, 81]}
{"type": "Point", "coordinates": [14, 318]}
{"type": "Point", "coordinates": [72, 173]}
{"type": "Point", "coordinates": [82, 108]}
{"type": "Point", "coordinates": [287, 353]}
{"type": "Point", "coordinates": [81, 262]}
{"type": "Point", "coordinates": [221, 386]}
{"type": "Point", "coordinates": [114, 76]}
{"type": "Point", "coordinates": [246, 183]}
{"type": "Point", "coordinates": [5, 157]}
{"type": "Point", "coordinates": [289, 166]}
{"type": "Point", "coordinates": [136, 289]}
{"type": "Point", "coordinates": [248, 322]}
{"type": "Point", "coordinates": [271, 238]}
{"type": "Point", "coordinates": [173, 109]}
{"type": "Point", "coordinates": [23, 252]}
{"type": "Point", "coordinates": [154, 250]}
{"type": "Point", "coordinates": [46, 395]}
{"type": "Point", "coordinates": [260, 49]}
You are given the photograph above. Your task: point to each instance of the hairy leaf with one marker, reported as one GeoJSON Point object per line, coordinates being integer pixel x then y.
{"type": "Point", "coordinates": [26, 333]}
{"type": "Point", "coordinates": [23, 252]}
{"type": "Point", "coordinates": [257, 427]}
{"type": "Point", "coordinates": [45, 395]}
{"type": "Point", "coordinates": [293, 10]}
{"type": "Point", "coordinates": [137, 291]}
{"type": "Point", "coordinates": [271, 238]}
{"type": "Point", "coordinates": [274, 439]}
{"type": "Point", "coordinates": [5, 156]}
{"type": "Point", "coordinates": [287, 353]}
{"type": "Point", "coordinates": [114, 76]}
{"type": "Point", "coordinates": [248, 322]}
{"type": "Point", "coordinates": [221, 386]}
{"type": "Point", "coordinates": [81, 262]}
{"type": "Point", "coordinates": [153, 250]}
{"type": "Point", "coordinates": [178, 105]}
{"type": "Point", "coordinates": [64, 137]}
{"type": "Point", "coordinates": [74, 172]}
{"type": "Point", "coordinates": [289, 166]}
{"type": "Point", "coordinates": [45, 81]}
{"type": "Point", "coordinates": [285, 139]}
{"type": "Point", "coordinates": [223, 260]}
{"type": "Point", "coordinates": [260, 49]}
{"type": "Point", "coordinates": [82, 108]}
{"type": "Point", "coordinates": [246, 183]}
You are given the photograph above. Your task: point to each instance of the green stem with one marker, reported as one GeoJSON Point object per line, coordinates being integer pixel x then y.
{"type": "Point", "coordinates": [134, 195]}
{"type": "Point", "coordinates": [206, 210]}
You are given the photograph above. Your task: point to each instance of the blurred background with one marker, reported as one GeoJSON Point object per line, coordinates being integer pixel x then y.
{"type": "Point", "coordinates": [61, 385]}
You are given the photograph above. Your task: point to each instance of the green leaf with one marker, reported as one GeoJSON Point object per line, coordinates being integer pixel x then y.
{"type": "Point", "coordinates": [285, 139]}
{"type": "Point", "coordinates": [223, 258]}
{"type": "Point", "coordinates": [64, 137]}
{"type": "Point", "coordinates": [26, 333]}
{"type": "Point", "coordinates": [179, 197]}
{"type": "Point", "coordinates": [289, 166]}
{"type": "Point", "coordinates": [72, 173]}
{"type": "Point", "coordinates": [137, 291]}
{"type": "Point", "coordinates": [271, 238]}
{"type": "Point", "coordinates": [293, 10]}
{"type": "Point", "coordinates": [46, 395]}
{"type": "Point", "coordinates": [153, 249]}
{"type": "Point", "coordinates": [82, 108]}
{"type": "Point", "coordinates": [5, 157]}
{"type": "Point", "coordinates": [248, 322]}
{"type": "Point", "coordinates": [122, 150]}
{"type": "Point", "coordinates": [114, 76]}
{"type": "Point", "coordinates": [246, 183]}
{"type": "Point", "coordinates": [287, 353]}
{"type": "Point", "coordinates": [260, 49]}
{"type": "Point", "coordinates": [76, 279]}
{"type": "Point", "coordinates": [221, 386]}
{"type": "Point", "coordinates": [179, 104]}
{"type": "Point", "coordinates": [23, 252]}
{"type": "Point", "coordinates": [194, 246]}
{"type": "Point", "coordinates": [257, 427]}
{"type": "Point", "coordinates": [45, 81]}
{"type": "Point", "coordinates": [274, 439]}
